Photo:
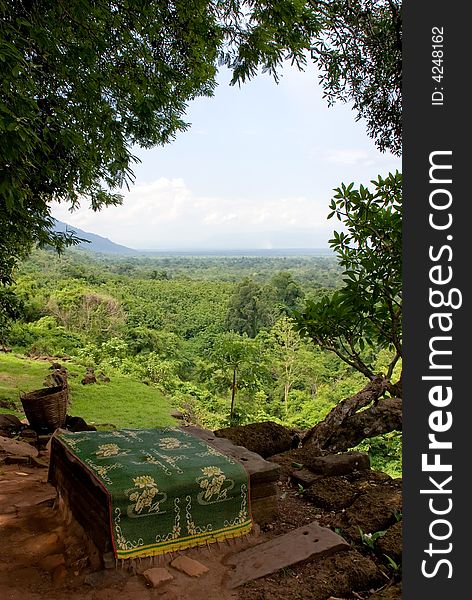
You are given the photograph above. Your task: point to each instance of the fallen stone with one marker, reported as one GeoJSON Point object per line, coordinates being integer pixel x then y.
{"type": "Point", "coordinates": [338, 464]}
{"type": "Point", "coordinates": [189, 566]}
{"type": "Point", "coordinates": [157, 576]}
{"type": "Point", "coordinates": [51, 562]}
{"type": "Point", "coordinates": [283, 551]}
{"type": "Point", "coordinates": [14, 447]}
{"type": "Point", "coordinates": [304, 477]}
{"type": "Point", "coordinates": [391, 543]}
{"type": "Point", "coordinates": [10, 422]}
{"type": "Point", "coordinates": [266, 438]}
{"type": "Point", "coordinates": [374, 510]}
{"type": "Point", "coordinates": [77, 424]}
{"type": "Point", "coordinates": [88, 379]}
{"type": "Point", "coordinates": [332, 493]}
{"type": "Point", "coordinates": [29, 435]}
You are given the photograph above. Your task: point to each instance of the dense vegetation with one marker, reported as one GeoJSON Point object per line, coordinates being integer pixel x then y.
{"type": "Point", "coordinates": [211, 335]}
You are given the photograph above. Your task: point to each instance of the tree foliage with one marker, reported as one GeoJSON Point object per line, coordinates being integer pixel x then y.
{"type": "Point", "coordinates": [365, 314]}
{"type": "Point", "coordinates": [359, 54]}
{"type": "Point", "coordinates": [82, 82]}
{"type": "Point", "coordinates": [356, 45]}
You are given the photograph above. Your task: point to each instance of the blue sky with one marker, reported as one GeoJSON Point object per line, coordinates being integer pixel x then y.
{"type": "Point", "coordinates": [256, 169]}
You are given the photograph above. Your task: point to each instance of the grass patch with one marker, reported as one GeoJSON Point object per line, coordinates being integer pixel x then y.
{"type": "Point", "coordinates": [123, 402]}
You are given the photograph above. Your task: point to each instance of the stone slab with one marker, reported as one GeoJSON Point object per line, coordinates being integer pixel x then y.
{"type": "Point", "coordinates": [189, 566]}
{"type": "Point", "coordinates": [283, 551]}
{"type": "Point", "coordinates": [339, 464]}
{"type": "Point", "coordinates": [304, 477]}
{"type": "Point", "coordinates": [14, 447]}
{"type": "Point", "coordinates": [157, 576]}
{"type": "Point", "coordinates": [259, 469]}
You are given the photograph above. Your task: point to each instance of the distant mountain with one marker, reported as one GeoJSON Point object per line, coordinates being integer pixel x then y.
{"type": "Point", "coordinates": [97, 243]}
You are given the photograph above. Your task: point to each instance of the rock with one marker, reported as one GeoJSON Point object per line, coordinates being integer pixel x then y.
{"type": "Point", "coordinates": [284, 551]}
{"type": "Point", "coordinates": [189, 566]}
{"type": "Point", "coordinates": [332, 493]}
{"type": "Point", "coordinates": [391, 543]}
{"type": "Point", "coordinates": [372, 511]}
{"type": "Point", "coordinates": [51, 562]}
{"type": "Point", "coordinates": [76, 424]}
{"type": "Point", "coordinates": [304, 477]}
{"type": "Point", "coordinates": [338, 464]}
{"type": "Point", "coordinates": [28, 435]}
{"type": "Point", "coordinates": [267, 438]}
{"type": "Point", "coordinates": [103, 378]}
{"type": "Point", "coordinates": [177, 414]}
{"type": "Point", "coordinates": [14, 447]}
{"type": "Point", "coordinates": [10, 423]}
{"type": "Point", "coordinates": [157, 576]}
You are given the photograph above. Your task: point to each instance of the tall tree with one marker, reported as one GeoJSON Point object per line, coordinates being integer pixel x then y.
{"type": "Point", "coordinates": [248, 309]}
{"type": "Point", "coordinates": [237, 358]}
{"type": "Point", "coordinates": [365, 314]}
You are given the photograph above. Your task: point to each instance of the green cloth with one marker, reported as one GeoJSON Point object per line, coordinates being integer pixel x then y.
{"type": "Point", "coordinates": [168, 490]}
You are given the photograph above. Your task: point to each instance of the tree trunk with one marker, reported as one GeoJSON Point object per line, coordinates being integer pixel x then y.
{"type": "Point", "coordinates": [233, 394]}
{"type": "Point", "coordinates": [344, 427]}
{"type": "Point", "coordinates": [286, 392]}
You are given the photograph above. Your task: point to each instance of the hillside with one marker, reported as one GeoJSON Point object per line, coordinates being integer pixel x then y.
{"type": "Point", "coordinates": [94, 243]}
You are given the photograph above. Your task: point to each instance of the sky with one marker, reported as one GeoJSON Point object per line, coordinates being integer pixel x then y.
{"type": "Point", "coordinates": [256, 169]}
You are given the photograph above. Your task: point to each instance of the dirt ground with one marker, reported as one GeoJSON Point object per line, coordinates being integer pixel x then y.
{"type": "Point", "coordinates": [42, 557]}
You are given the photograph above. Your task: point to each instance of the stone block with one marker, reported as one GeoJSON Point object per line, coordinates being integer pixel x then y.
{"type": "Point", "coordinates": [189, 566]}
{"type": "Point", "coordinates": [14, 447]}
{"type": "Point", "coordinates": [157, 576]}
{"type": "Point", "coordinates": [338, 464]}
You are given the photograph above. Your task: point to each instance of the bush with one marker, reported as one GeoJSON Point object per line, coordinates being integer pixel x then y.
{"type": "Point", "coordinates": [44, 337]}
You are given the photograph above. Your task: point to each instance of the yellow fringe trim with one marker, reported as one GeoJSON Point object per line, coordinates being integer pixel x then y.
{"type": "Point", "coordinates": [184, 543]}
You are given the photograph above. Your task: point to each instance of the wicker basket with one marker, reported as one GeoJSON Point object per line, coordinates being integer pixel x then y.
{"type": "Point", "coordinates": [46, 408]}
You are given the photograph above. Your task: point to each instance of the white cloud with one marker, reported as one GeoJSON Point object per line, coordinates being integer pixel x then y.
{"type": "Point", "coordinates": [166, 213]}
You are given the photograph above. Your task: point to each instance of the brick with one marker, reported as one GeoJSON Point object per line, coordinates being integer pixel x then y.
{"type": "Point", "coordinates": [283, 551]}
{"type": "Point", "coordinates": [190, 567]}
{"type": "Point", "coordinates": [157, 576]}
